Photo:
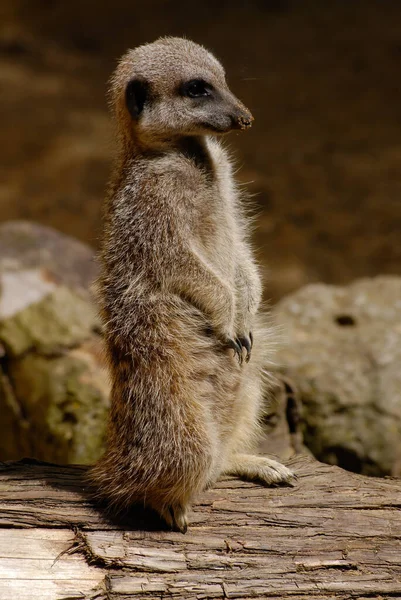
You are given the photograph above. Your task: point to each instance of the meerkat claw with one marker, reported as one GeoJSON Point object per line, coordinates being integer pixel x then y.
{"type": "Point", "coordinates": [179, 518]}
{"type": "Point", "coordinates": [247, 344]}
{"type": "Point", "coordinates": [236, 346]}
{"type": "Point", "coordinates": [175, 518]}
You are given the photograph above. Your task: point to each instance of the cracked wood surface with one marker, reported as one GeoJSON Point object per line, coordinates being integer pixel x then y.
{"type": "Point", "coordinates": [334, 535]}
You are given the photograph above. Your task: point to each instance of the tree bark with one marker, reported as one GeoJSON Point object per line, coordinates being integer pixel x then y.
{"type": "Point", "coordinates": [334, 535]}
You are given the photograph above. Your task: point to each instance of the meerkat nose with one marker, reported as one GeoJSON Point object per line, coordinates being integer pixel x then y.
{"type": "Point", "coordinates": [242, 119]}
{"type": "Point", "coordinates": [245, 121]}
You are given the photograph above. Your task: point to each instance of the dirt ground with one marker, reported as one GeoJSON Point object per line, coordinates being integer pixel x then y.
{"type": "Point", "coordinates": [324, 155]}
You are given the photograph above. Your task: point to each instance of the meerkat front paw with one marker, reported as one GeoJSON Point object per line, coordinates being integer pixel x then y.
{"type": "Point", "coordinates": [238, 344]}
{"type": "Point", "coordinates": [260, 468]}
{"type": "Point", "coordinates": [246, 342]}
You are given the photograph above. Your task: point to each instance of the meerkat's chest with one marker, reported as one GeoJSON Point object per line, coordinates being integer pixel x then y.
{"type": "Point", "coordinates": [219, 224]}
{"type": "Point", "coordinates": [225, 191]}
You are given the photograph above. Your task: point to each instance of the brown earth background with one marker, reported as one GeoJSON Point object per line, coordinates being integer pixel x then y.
{"type": "Point", "coordinates": [322, 78]}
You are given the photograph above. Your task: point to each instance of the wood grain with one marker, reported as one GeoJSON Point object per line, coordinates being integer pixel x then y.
{"type": "Point", "coordinates": [334, 535]}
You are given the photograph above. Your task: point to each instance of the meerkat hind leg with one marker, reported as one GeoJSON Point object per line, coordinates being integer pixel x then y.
{"type": "Point", "coordinates": [259, 468]}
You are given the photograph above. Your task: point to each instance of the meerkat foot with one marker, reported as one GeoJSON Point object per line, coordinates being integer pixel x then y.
{"type": "Point", "coordinates": [260, 468]}
{"type": "Point", "coordinates": [176, 517]}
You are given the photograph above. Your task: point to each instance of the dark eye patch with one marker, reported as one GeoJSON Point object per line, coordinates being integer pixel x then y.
{"type": "Point", "coordinates": [196, 88]}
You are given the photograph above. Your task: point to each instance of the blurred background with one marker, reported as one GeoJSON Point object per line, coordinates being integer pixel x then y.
{"type": "Point", "coordinates": [322, 163]}
{"type": "Point", "coordinates": [321, 78]}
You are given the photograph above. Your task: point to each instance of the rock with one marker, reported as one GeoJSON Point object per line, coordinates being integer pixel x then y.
{"type": "Point", "coordinates": [61, 319]}
{"type": "Point", "coordinates": [54, 390]}
{"type": "Point", "coordinates": [62, 259]}
{"type": "Point", "coordinates": [343, 352]}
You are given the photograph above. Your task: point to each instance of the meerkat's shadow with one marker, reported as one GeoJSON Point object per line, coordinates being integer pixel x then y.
{"type": "Point", "coordinates": [134, 518]}
{"type": "Point", "coordinates": [76, 499]}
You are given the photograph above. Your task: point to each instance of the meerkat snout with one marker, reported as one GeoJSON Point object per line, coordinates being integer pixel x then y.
{"type": "Point", "coordinates": [224, 111]}
{"type": "Point", "coordinates": [227, 106]}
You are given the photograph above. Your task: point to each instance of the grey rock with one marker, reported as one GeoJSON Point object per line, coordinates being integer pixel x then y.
{"type": "Point", "coordinates": [342, 349]}
{"type": "Point", "coordinates": [54, 390]}
{"type": "Point", "coordinates": [62, 259]}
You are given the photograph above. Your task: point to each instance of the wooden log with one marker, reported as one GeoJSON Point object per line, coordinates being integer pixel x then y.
{"type": "Point", "coordinates": [334, 535]}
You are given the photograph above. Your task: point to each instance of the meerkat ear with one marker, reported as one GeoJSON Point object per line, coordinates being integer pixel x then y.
{"type": "Point", "coordinates": [136, 94]}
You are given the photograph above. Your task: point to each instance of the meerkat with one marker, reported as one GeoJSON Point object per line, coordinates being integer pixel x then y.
{"type": "Point", "coordinates": [179, 290]}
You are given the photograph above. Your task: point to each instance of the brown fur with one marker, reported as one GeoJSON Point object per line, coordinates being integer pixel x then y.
{"type": "Point", "coordinates": [178, 285]}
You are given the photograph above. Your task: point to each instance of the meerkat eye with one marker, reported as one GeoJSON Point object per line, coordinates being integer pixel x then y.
{"type": "Point", "coordinates": [196, 88]}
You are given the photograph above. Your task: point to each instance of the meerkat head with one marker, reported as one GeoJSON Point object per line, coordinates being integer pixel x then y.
{"type": "Point", "coordinates": [173, 88]}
